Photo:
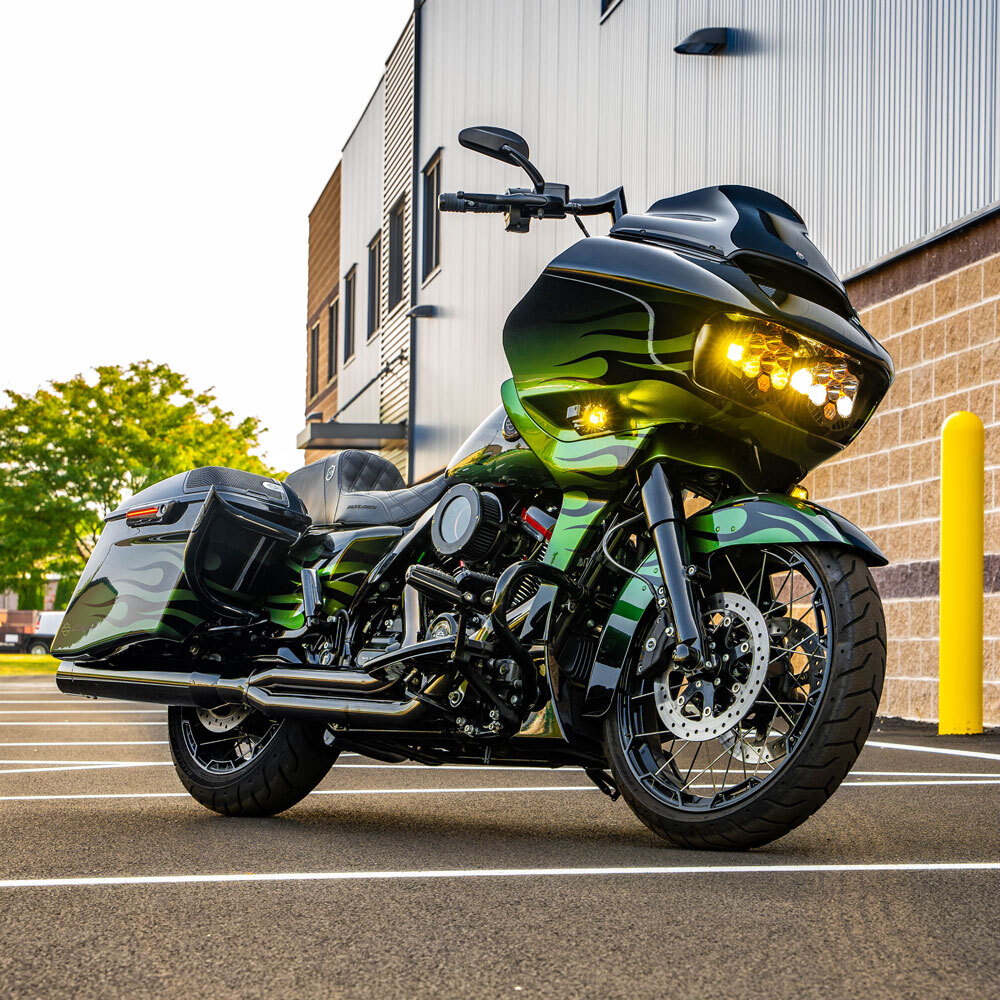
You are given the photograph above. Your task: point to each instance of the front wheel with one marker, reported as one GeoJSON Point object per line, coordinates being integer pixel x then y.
{"type": "Point", "coordinates": [238, 762]}
{"type": "Point", "coordinates": [748, 748]}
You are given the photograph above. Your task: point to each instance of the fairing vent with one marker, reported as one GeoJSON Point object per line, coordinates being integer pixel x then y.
{"type": "Point", "coordinates": [779, 279]}
{"type": "Point", "coordinates": [580, 652]}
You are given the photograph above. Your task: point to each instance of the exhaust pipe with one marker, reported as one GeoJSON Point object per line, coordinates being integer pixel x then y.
{"type": "Point", "coordinates": [330, 695]}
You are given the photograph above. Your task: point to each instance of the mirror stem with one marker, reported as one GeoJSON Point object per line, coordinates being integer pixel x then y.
{"type": "Point", "coordinates": [527, 166]}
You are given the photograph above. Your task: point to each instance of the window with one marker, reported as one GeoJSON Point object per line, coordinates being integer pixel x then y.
{"type": "Point", "coordinates": [349, 283]}
{"type": "Point", "coordinates": [396, 218]}
{"type": "Point", "coordinates": [375, 284]}
{"type": "Point", "coordinates": [432, 217]}
{"type": "Point", "coordinates": [332, 318]}
{"type": "Point", "coordinates": [314, 361]}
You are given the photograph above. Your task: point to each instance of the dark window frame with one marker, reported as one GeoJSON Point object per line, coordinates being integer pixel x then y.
{"type": "Point", "coordinates": [397, 258]}
{"type": "Point", "coordinates": [314, 361]}
{"type": "Point", "coordinates": [375, 285]}
{"type": "Point", "coordinates": [431, 237]}
{"type": "Point", "coordinates": [332, 322]}
{"type": "Point", "coordinates": [349, 295]}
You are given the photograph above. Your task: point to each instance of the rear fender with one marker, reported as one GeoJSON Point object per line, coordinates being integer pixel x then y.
{"type": "Point", "coordinates": [768, 519]}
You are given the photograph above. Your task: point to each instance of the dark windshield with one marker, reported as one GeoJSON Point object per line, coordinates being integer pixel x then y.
{"type": "Point", "coordinates": [757, 230]}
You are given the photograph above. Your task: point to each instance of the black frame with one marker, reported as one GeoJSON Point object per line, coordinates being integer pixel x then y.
{"type": "Point", "coordinates": [314, 361]}
{"type": "Point", "coordinates": [375, 284]}
{"type": "Point", "coordinates": [332, 319]}
{"type": "Point", "coordinates": [431, 255]}
{"type": "Point", "coordinates": [397, 232]}
{"type": "Point", "coordinates": [350, 281]}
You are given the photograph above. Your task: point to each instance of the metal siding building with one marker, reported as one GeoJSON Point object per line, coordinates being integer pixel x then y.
{"type": "Point", "coordinates": [876, 119]}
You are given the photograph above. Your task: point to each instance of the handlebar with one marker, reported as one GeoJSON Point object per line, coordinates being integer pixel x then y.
{"type": "Point", "coordinates": [552, 203]}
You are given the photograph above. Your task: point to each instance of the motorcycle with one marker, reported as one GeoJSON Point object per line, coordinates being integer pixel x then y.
{"type": "Point", "coordinates": [618, 571]}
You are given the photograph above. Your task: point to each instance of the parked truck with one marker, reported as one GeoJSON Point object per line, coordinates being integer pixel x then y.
{"type": "Point", "coordinates": [28, 631]}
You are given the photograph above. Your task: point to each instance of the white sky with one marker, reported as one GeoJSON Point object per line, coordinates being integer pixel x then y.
{"type": "Point", "coordinates": [157, 166]}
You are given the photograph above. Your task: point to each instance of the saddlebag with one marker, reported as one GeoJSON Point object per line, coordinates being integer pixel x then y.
{"type": "Point", "coordinates": [199, 549]}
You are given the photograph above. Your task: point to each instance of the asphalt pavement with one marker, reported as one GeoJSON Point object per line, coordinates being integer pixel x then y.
{"type": "Point", "coordinates": [411, 881]}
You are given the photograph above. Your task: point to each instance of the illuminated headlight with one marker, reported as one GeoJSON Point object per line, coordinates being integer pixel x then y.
{"type": "Point", "coordinates": [772, 363]}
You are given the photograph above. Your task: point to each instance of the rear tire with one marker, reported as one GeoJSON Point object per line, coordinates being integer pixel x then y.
{"type": "Point", "coordinates": [817, 763]}
{"type": "Point", "coordinates": [38, 648]}
{"type": "Point", "coordinates": [288, 760]}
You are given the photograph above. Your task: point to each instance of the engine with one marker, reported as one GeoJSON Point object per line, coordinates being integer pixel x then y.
{"type": "Point", "coordinates": [447, 598]}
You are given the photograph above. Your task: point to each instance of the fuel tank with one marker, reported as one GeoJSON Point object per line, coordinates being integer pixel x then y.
{"type": "Point", "coordinates": [496, 454]}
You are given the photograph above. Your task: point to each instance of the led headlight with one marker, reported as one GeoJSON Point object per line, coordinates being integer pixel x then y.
{"type": "Point", "coordinates": [757, 361]}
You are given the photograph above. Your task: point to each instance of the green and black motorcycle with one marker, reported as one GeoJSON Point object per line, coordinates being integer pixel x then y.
{"type": "Point", "coordinates": [618, 571]}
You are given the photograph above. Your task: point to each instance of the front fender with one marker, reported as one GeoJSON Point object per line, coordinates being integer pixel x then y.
{"type": "Point", "coordinates": [763, 519]}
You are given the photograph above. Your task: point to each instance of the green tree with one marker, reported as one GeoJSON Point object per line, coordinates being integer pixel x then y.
{"type": "Point", "coordinates": [75, 450]}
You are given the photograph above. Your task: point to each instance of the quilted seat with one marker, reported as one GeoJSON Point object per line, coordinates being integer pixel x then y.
{"type": "Point", "coordinates": [356, 489]}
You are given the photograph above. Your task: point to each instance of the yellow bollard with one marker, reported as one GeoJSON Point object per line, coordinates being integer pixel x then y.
{"type": "Point", "coordinates": [960, 652]}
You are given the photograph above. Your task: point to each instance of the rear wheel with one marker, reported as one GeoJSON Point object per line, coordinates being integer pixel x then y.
{"type": "Point", "coordinates": [238, 762]}
{"type": "Point", "coordinates": [744, 751]}
{"type": "Point", "coordinates": [38, 648]}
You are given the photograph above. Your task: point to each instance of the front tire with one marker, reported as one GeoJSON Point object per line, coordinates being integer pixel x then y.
{"type": "Point", "coordinates": [825, 681]}
{"type": "Point", "coordinates": [238, 762]}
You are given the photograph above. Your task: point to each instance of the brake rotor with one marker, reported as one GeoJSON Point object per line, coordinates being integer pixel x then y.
{"type": "Point", "coordinates": [705, 706]}
{"type": "Point", "coordinates": [223, 718]}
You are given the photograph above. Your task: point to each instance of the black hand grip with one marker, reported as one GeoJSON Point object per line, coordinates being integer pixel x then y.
{"type": "Point", "coordinates": [467, 203]}
{"type": "Point", "coordinates": [452, 203]}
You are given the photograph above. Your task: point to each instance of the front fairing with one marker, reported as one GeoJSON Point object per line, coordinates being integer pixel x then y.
{"type": "Point", "coordinates": [615, 322]}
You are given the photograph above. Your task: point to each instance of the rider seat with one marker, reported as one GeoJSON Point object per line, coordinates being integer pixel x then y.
{"type": "Point", "coordinates": [357, 489]}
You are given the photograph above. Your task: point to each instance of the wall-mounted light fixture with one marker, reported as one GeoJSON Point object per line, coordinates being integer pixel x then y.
{"type": "Point", "coordinates": [423, 312]}
{"type": "Point", "coordinates": [704, 42]}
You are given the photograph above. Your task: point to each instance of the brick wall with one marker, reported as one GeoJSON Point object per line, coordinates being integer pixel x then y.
{"type": "Point", "coordinates": [324, 276]}
{"type": "Point", "coordinates": [942, 328]}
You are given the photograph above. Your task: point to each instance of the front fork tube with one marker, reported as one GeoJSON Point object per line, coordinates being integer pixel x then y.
{"type": "Point", "coordinates": [665, 515]}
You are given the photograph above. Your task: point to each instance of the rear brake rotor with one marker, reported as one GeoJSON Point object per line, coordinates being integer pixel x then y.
{"type": "Point", "coordinates": [223, 718]}
{"type": "Point", "coordinates": [704, 707]}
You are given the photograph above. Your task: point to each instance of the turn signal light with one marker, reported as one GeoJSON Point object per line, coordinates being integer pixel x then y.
{"type": "Point", "coordinates": [138, 512]}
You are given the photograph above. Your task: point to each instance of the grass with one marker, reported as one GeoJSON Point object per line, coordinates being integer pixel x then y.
{"type": "Point", "coordinates": [23, 663]}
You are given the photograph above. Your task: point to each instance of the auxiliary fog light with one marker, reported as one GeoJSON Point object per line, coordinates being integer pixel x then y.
{"type": "Point", "coordinates": [591, 418]}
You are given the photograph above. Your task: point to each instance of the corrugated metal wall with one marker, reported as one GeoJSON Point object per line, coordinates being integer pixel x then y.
{"type": "Point", "coordinates": [876, 119]}
{"type": "Point", "coordinates": [394, 391]}
{"type": "Point", "coordinates": [361, 219]}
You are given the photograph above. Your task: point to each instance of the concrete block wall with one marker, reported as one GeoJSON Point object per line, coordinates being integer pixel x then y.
{"type": "Point", "coordinates": [943, 334]}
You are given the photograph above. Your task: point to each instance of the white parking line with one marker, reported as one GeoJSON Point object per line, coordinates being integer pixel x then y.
{"type": "Point", "coordinates": [428, 791]}
{"type": "Point", "coordinates": [368, 876]}
{"type": "Point", "coordinates": [81, 711]}
{"type": "Point", "coordinates": [95, 743]}
{"type": "Point", "coordinates": [321, 791]}
{"type": "Point", "coordinates": [87, 767]}
{"type": "Point", "coordinates": [137, 722]}
{"type": "Point", "coordinates": [38, 760]}
{"type": "Point", "coordinates": [67, 701]}
{"type": "Point", "coordinates": [943, 750]}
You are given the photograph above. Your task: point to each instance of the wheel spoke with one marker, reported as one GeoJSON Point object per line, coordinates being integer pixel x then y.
{"type": "Point", "coordinates": [787, 592]}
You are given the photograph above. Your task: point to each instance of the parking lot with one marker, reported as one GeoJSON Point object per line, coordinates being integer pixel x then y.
{"type": "Point", "coordinates": [401, 881]}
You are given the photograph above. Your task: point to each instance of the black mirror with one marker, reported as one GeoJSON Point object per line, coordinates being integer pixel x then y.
{"type": "Point", "coordinates": [491, 140]}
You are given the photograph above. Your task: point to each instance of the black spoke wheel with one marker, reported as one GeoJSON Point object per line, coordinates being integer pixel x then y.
{"type": "Point", "coordinates": [749, 746]}
{"type": "Point", "coordinates": [236, 761]}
